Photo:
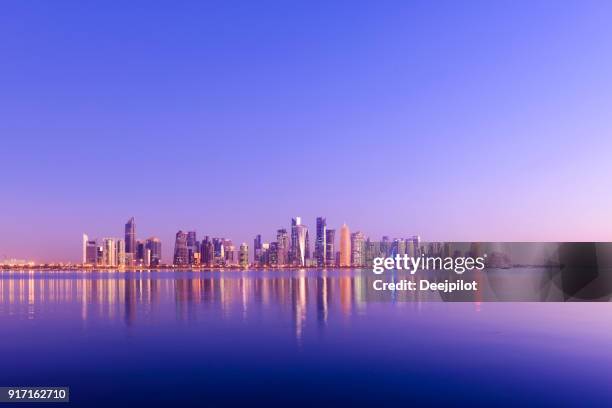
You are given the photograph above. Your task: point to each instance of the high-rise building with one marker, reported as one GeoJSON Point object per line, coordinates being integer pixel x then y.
{"type": "Point", "coordinates": [244, 255]}
{"type": "Point", "coordinates": [192, 247]}
{"type": "Point", "coordinates": [273, 254]}
{"type": "Point", "coordinates": [208, 251]}
{"type": "Point", "coordinates": [100, 255]}
{"type": "Point", "coordinates": [385, 246]}
{"type": "Point", "coordinates": [257, 250]}
{"type": "Point", "coordinates": [130, 241]}
{"type": "Point", "coordinates": [265, 254]}
{"type": "Point", "coordinates": [307, 247]}
{"type": "Point", "coordinates": [109, 252]}
{"type": "Point", "coordinates": [345, 246]}
{"type": "Point", "coordinates": [282, 247]}
{"type": "Point", "coordinates": [141, 253]}
{"type": "Point", "coordinates": [299, 243]}
{"type": "Point", "coordinates": [330, 249]}
{"type": "Point", "coordinates": [153, 244]}
{"type": "Point", "coordinates": [84, 243]}
{"type": "Point", "coordinates": [293, 247]}
{"type": "Point", "coordinates": [91, 252]}
{"type": "Point", "coordinates": [358, 249]}
{"type": "Point", "coordinates": [230, 253]}
{"type": "Point", "coordinates": [320, 247]}
{"type": "Point", "coordinates": [120, 252]}
{"type": "Point", "coordinates": [218, 248]}
{"type": "Point", "coordinates": [181, 256]}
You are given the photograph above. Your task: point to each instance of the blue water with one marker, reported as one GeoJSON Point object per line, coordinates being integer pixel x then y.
{"type": "Point", "coordinates": [292, 338]}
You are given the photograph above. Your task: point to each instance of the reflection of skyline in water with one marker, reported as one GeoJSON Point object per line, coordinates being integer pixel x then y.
{"type": "Point", "coordinates": [298, 330]}
{"type": "Point", "coordinates": [301, 295]}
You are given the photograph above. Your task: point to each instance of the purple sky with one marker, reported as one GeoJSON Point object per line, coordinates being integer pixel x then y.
{"type": "Point", "coordinates": [451, 120]}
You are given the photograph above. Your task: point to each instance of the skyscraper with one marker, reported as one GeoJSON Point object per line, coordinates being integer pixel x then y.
{"type": "Point", "coordinates": [330, 250]}
{"type": "Point", "coordinates": [130, 241]}
{"type": "Point", "coordinates": [345, 246]}
{"type": "Point", "coordinates": [358, 249]}
{"type": "Point", "coordinates": [293, 248]}
{"type": "Point", "coordinates": [91, 252]}
{"type": "Point", "coordinates": [282, 247]}
{"type": "Point", "coordinates": [192, 247]}
{"type": "Point", "coordinates": [243, 259]}
{"type": "Point", "coordinates": [299, 240]}
{"type": "Point", "coordinates": [84, 243]}
{"type": "Point", "coordinates": [181, 256]}
{"type": "Point", "coordinates": [320, 247]}
{"type": "Point", "coordinates": [153, 244]}
{"type": "Point", "coordinates": [207, 251]}
{"type": "Point", "coordinates": [120, 252]}
{"type": "Point", "coordinates": [109, 252]}
{"type": "Point", "coordinates": [257, 250]}
{"type": "Point", "coordinates": [141, 253]}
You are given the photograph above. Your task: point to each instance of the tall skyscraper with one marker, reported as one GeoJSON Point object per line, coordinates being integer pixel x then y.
{"type": "Point", "coordinates": [130, 241]}
{"type": "Point", "coordinates": [358, 249]}
{"type": "Point", "coordinates": [120, 252]}
{"type": "Point", "coordinates": [153, 244]}
{"type": "Point", "coordinates": [273, 254]}
{"type": "Point", "coordinates": [243, 259]}
{"type": "Point", "coordinates": [181, 256]}
{"type": "Point", "coordinates": [320, 247]}
{"type": "Point", "coordinates": [299, 239]}
{"type": "Point", "coordinates": [207, 251]}
{"type": "Point", "coordinates": [141, 253]}
{"type": "Point", "coordinates": [257, 250]}
{"type": "Point", "coordinates": [84, 243]}
{"type": "Point", "coordinates": [330, 249]}
{"type": "Point", "coordinates": [91, 251]}
{"type": "Point", "coordinates": [109, 252]}
{"type": "Point", "coordinates": [192, 247]}
{"type": "Point", "coordinates": [345, 246]}
{"type": "Point", "coordinates": [282, 247]}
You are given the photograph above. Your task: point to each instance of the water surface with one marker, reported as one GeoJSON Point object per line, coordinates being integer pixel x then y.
{"type": "Point", "coordinates": [292, 337]}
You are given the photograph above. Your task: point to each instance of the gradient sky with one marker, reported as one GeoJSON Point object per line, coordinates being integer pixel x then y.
{"type": "Point", "coordinates": [452, 120]}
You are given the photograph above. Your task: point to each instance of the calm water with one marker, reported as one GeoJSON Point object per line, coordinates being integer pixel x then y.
{"type": "Point", "coordinates": [292, 337]}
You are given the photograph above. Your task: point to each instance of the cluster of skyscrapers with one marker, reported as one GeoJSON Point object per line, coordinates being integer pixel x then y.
{"type": "Point", "coordinates": [115, 252]}
{"type": "Point", "coordinates": [354, 250]}
{"type": "Point", "coordinates": [291, 248]}
{"type": "Point", "coordinates": [188, 251]}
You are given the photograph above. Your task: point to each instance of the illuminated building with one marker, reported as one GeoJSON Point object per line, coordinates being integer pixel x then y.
{"type": "Point", "coordinates": [192, 246]}
{"type": "Point", "coordinates": [181, 256]}
{"type": "Point", "coordinates": [91, 252]}
{"type": "Point", "coordinates": [320, 247]}
{"type": "Point", "coordinates": [208, 251]}
{"type": "Point", "coordinates": [140, 253]}
{"type": "Point", "coordinates": [358, 249]}
{"type": "Point", "coordinates": [120, 252]}
{"type": "Point", "coordinates": [153, 244]}
{"type": "Point", "coordinates": [84, 243]}
{"type": "Point", "coordinates": [244, 255]}
{"type": "Point", "coordinates": [257, 250]}
{"type": "Point", "coordinates": [345, 246]}
{"type": "Point", "coordinates": [109, 252]}
{"type": "Point", "coordinates": [273, 254]}
{"type": "Point", "coordinates": [130, 241]}
{"type": "Point", "coordinates": [299, 242]}
{"type": "Point", "coordinates": [330, 250]}
{"type": "Point", "coordinates": [282, 247]}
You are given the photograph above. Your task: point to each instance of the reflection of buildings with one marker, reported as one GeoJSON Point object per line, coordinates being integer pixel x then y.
{"type": "Point", "coordinates": [133, 297]}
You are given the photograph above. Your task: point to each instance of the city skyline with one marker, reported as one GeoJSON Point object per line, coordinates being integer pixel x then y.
{"type": "Point", "coordinates": [292, 249]}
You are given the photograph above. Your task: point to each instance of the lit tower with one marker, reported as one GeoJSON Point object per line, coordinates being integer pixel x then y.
{"type": "Point", "coordinates": [130, 242]}
{"type": "Point", "coordinates": [320, 246]}
{"type": "Point", "coordinates": [345, 246]}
